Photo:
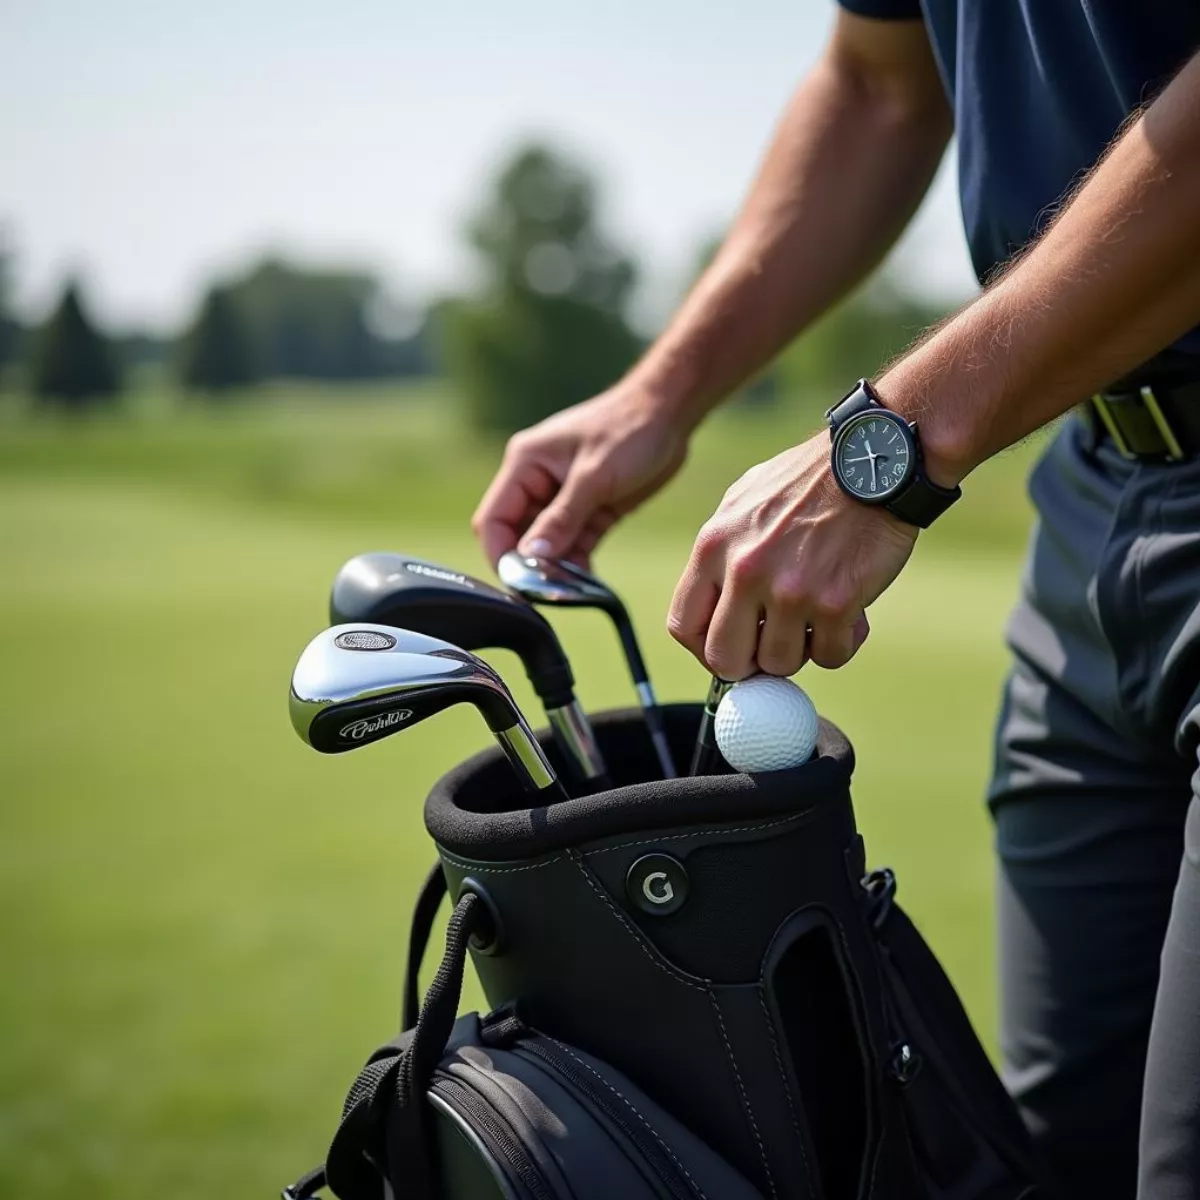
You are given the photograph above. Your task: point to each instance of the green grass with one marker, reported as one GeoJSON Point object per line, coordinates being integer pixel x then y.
{"type": "Point", "coordinates": [201, 923]}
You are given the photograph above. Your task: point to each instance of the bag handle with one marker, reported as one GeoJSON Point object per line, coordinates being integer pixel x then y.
{"type": "Point", "coordinates": [429, 900]}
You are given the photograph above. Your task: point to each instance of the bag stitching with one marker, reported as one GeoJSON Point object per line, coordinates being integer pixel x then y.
{"type": "Point", "coordinates": [673, 837]}
{"type": "Point", "coordinates": [484, 869]}
{"type": "Point", "coordinates": [669, 971]}
{"type": "Point", "coordinates": [787, 1091]}
{"type": "Point", "coordinates": [633, 1109]}
{"type": "Point", "coordinates": [737, 1078]}
{"type": "Point", "coordinates": [700, 833]}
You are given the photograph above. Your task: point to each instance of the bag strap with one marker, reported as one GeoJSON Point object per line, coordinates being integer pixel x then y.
{"type": "Point", "coordinates": [306, 1186]}
{"type": "Point", "coordinates": [429, 900]}
{"type": "Point", "coordinates": [384, 1134]}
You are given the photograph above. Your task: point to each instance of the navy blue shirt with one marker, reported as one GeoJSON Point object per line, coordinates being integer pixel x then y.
{"type": "Point", "coordinates": [1039, 89]}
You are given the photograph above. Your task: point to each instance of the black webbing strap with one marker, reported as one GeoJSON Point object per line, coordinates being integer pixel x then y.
{"type": "Point", "coordinates": [384, 1132]}
{"type": "Point", "coordinates": [429, 900]}
{"type": "Point", "coordinates": [306, 1186]}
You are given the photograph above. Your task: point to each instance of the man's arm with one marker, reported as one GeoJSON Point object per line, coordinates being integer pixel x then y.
{"type": "Point", "coordinates": [852, 158]}
{"type": "Point", "coordinates": [853, 155]}
{"type": "Point", "coordinates": [1113, 281]}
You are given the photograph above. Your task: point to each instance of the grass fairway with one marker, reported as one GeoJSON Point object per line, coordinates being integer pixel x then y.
{"type": "Point", "coordinates": [202, 924]}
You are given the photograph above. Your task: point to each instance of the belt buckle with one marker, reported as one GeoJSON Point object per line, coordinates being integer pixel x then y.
{"type": "Point", "coordinates": [1102, 405]}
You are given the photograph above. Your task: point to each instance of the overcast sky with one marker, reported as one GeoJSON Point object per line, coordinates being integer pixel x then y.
{"type": "Point", "coordinates": [150, 143]}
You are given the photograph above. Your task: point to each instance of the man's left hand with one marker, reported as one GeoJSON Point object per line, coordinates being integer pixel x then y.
{"type": "Point", "coordinates": [784, 570]}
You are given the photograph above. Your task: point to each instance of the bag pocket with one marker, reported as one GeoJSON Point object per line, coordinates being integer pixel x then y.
{"type": "Point", "coordinates": [491, 1109]}
{"type": "Point", "coordinates": [968, 1140]}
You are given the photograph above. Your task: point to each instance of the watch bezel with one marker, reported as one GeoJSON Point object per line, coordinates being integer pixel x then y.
{"type": "Point", "coordinates": [846, 430]}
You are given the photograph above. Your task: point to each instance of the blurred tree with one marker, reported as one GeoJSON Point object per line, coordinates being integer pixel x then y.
{"type": "Point", "coordinates": [549, 326]}
{"type": "Point", "coordinates": [10, 329]}
{"type": "Point", "coordinates": [215, 355]}
{"type": "Point", "coordinates": [308, 324]}
{"type": "Point", "coordinates": [73, 364]}
{"type": "Point", "coordinates": [300, 323]}
{"type": "Point", "coordinates": [142, 348]}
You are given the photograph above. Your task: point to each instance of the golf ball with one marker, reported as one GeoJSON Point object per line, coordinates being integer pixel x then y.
{"type": "Point", "coordinates": [766, 723]}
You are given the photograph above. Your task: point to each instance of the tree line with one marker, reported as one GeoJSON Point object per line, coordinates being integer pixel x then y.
{"type": "Point", "coordinates": [548, 325]}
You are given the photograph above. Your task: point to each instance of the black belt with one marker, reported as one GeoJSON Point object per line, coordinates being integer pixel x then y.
{"type": "Point", "coordinates": [1150, 424]}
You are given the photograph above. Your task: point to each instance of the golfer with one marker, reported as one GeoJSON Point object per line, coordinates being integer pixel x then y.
{"type": "Point", "coordinates": [1078, 125]}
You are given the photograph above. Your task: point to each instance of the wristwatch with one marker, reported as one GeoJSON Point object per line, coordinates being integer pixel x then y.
{"type": "Point", "coordinates": [876, 457]}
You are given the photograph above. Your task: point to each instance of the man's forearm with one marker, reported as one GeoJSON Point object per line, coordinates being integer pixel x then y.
{"type": "Point", "coordinates": [853, 156]}
{"type": "Point", "coordinates": [1112, 282]}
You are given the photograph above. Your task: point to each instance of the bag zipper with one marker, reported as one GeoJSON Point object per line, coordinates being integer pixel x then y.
{"type": "Point", "coordinates": [669, 1173]}
{"type": "Point", "coordinates": [508, 1148]}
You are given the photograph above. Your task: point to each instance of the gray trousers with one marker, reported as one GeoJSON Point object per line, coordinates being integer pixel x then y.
{"type": "Point", "coordinates": [1098, 826]}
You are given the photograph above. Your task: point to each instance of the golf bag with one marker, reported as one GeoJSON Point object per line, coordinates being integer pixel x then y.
{"type": "Point", "coordinates": [698, 992]}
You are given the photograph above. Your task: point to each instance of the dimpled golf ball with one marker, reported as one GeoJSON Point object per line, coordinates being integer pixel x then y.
{"type": "Point", "coordinates": [766, 723]}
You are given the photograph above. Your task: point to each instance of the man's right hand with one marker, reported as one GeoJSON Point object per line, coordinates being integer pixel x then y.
{"type": "Point", "coordinates": [566, 481]}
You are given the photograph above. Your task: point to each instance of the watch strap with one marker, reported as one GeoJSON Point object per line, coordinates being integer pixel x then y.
{"type": "Point", "coordinates": [922, 502]}
{"type": "Point", "coordinates": [854, 402]}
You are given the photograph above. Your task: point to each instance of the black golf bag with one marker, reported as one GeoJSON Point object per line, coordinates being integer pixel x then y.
{"type": "Point", "coordinates": [698, 992]}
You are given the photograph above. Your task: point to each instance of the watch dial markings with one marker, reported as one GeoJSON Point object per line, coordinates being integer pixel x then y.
{"type": "Point", "coordinates": [869, 466]}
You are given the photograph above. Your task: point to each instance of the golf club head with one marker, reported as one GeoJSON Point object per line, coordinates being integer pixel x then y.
{"type": "Point", "coordinates": [556, 581]}
{"type": "Point", "coordinates": [356, 684]}
{"type": "Point", "coordinates": [401, 590]}
{"type": "Point", "coordinates": [559, 582]}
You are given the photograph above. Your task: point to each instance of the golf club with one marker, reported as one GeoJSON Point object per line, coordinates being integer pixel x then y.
{"type": "Point", "coordinates": [355, 684]}
{"type": "Point", "coordinates": [557, 582]}
{"type": "Point", "coordinates": [705, 755]}
{"type": "Point", "coordinates": [408, 592]}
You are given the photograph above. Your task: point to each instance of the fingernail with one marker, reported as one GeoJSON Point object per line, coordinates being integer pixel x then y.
{"type": "Point", "coordinates": [538, 548]}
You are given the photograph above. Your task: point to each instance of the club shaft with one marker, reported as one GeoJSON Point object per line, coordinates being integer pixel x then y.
{"type": "Point", "coordinates": [706, 754]}
{"type": "Point", "coordinates": [530, 762]}
{"type": "Point", "coordinates": [573, 732]}
{"type": "Point", "coordinates": [658, 731]}
{"type": "Point", "coordinates": [651, 712]}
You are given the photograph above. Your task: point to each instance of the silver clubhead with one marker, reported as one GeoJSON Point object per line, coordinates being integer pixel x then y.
{"type": "Point", "coordinates": [355, 684]}
{"type": "Point", "coordinates": [555, 581]}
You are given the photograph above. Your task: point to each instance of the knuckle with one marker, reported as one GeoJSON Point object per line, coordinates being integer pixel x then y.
{"type": "Point", "coordinates": [789, 592]}
{"type": "Point", "coordinates": [709, 540]}
{"type": "Point", "coordinates": [744, 568]}
{"type": "Point", "coordinates": [830, 603]}
{"type": "Point", "coordinates": [517, 446]}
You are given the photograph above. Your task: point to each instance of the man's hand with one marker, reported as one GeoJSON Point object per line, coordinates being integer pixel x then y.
{"type": "Point", "coordinates": [784, 570]}
{"type": "Point", "coordinates": [851, 159]}
{"type": "Point", "coordinates": [565, 482]}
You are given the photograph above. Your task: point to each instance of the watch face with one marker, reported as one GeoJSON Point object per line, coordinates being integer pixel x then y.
{"type": "Point", "coordinates": [874, 456]}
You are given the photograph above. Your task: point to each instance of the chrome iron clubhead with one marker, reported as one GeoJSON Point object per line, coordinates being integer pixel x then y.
{"type": "Point", "coordinates": [563, 584]}
{"type": "Point", "coordinates": [358, 683]}
{"type": "Point", "coordinates": [412, 593]}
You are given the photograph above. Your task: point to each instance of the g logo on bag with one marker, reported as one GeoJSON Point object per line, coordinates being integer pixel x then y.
{"type": "Point", "coordinates": [657, 885]}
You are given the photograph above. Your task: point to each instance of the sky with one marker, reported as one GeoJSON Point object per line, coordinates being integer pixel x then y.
{"type": "Point", "coordinates": [149, 145]}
